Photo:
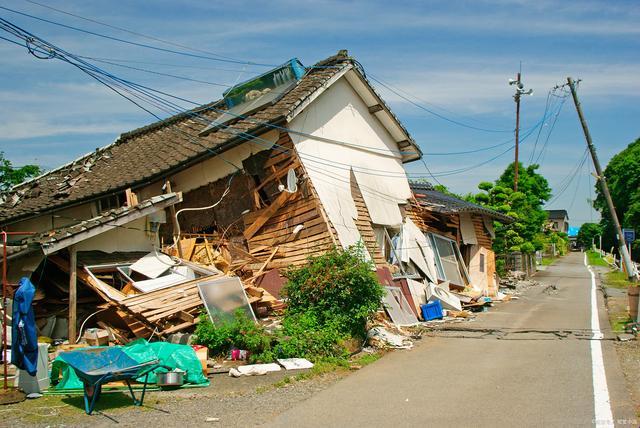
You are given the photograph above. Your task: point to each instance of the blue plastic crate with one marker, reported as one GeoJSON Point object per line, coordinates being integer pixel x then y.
{"type": "Point", "coordinates": [431, 311]}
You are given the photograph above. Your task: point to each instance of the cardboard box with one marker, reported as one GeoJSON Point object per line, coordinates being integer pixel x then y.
{"type": "Point", "coordinates": [96, 337]}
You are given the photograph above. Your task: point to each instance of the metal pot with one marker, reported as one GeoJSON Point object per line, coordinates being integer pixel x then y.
{"type": "Point", "coordinates": [170, 379]}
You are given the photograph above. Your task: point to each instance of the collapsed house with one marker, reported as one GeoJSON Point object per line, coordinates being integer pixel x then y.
{"type": "Point", "coordinates": [461, 232]}
{"type": "Point", "coordinates": [287, 165]}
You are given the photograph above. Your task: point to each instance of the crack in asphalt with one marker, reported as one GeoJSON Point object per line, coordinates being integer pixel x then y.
{"type": "Point", "coordinates": [512, 334]}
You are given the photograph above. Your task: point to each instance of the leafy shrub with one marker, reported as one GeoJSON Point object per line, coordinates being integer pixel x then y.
{"type": "Point", "coordinates": [240, 332]}
{"type": "Point", "coordinates": [329, 301]}
{"type": "Point", "coordinates": [302, 336]}
{"type": "Point", "coordinates": [338, 287]}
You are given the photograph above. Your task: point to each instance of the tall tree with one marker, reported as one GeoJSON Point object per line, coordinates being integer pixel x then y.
{"type": "Point", "coordinates": [587, 233]}
{"type": "Point", "coordinates": [623, 178]}
{"type": "Point", "coordinates": [525, 206]}
{"type": "Point", "coordinates": [10, 175]}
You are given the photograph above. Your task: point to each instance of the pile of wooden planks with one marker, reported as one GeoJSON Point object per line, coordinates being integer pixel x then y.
{"type": "Point", "coordinates": [202, 249]}
{"type": "Point", "coordinates": [166, 311]}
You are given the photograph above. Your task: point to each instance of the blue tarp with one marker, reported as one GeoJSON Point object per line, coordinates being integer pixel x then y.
{"type": "Point", "coordinates": [24, 338]}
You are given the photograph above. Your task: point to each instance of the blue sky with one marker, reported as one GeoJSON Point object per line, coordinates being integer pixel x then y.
{"type": "Point", "coordinates": [456, 57]}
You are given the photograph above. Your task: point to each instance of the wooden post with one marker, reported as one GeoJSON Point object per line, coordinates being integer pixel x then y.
{"type": "Point", "coordinates": [73, 262]}
{"type": "Point", "coordinates": [174, 222]}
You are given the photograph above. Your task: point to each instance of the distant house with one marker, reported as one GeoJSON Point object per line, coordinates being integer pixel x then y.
{"type": "Point", "coordinates": [468, 228]}
{"type": "Point", "coordinates": [558, 220]}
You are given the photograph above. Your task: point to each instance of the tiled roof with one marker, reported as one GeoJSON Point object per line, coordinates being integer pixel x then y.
{"type": "Point", "coordinates": [154, 151]}
{"type": "Point", "coordinates": [440, 202]}
{"type": "Point", "coordinates": [108, 220]}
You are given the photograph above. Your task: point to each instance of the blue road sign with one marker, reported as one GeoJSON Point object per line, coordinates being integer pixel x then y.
{"type": "Point", "coordinates": [629, 235]}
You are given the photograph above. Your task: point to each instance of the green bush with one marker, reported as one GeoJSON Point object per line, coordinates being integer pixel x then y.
{"type": "Point", "coordinates": [329, 301]}
{"type": "Point", "coordinates": [302, 336]}
{"type": "Point", "coordinates": [338, 287]}
{"type": "Point", "coordinates": [241, 332]}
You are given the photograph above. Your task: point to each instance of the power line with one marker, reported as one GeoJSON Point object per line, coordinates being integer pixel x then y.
{"type": "Point", "coordinates": [143, 45]}
{"type": "Point", "coordinates": [146, 95]}
{"type": "Point", "coordinates": [135, 33]}
{"type": "Point", "coordinates": [436, 114]}
{"type": "Point", "coordinates": [541, 154]}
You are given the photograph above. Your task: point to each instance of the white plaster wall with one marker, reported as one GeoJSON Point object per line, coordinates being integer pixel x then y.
{"type": "Point", "coordinates": [479, 280]}
{"type": "Point", "coordinates": [340, 114]}
{"type": "Point", "coordinates": [64, 217]}
{"type": "Point", "coordinates": [213, 169]}
{"type": "Point", "coordinates": [130, 237]}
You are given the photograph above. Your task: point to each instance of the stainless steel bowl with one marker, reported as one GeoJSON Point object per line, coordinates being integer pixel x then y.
{"type": "Point", "coordinates": [170, 379]}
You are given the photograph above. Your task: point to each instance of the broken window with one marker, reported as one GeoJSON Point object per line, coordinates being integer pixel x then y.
{"type": "Point", "coordinates": [449, 263]}
{"type": "Point", "coordinates": [111, 202]}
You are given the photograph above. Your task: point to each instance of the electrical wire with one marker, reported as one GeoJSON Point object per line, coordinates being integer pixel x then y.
{"type": "Point", "coordinates": [566, 182]}
{"type": "Point", "coordinates": [436, 114]}
{"type": "Point", "coordinates": [143, 45]}
{"type": "Point", "coordinates": [542, 153]}
{"type": "Point", "coordinates": [546, 109]}
{"type": "Point", "coordinates": [146, 93]}
{"type": "Point", "coordinates": [215, 204]}
{"type": "Point", "coordinates": [135, 33]}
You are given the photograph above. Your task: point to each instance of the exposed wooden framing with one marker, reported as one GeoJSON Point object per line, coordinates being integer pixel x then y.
{"type": "Point", "coordinates": [278, 174]}
{"type": "Point", "coordinates": [131, 198]}
{"type": "Point", "coordinates": [266, 214]}
{"type": "Point", "coordinates": [83, 276]}
{"type": "Point", "coordinates": [73, 294]}
{"type": "Point", "coordinates": [264, 265]}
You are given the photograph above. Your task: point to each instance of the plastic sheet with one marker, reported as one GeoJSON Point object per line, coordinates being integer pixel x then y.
{"type": "Point", "coordinates": [181, 357]}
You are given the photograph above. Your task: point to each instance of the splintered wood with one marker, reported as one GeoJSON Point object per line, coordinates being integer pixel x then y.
{"type": "Point", "coordinates": [167, 310]}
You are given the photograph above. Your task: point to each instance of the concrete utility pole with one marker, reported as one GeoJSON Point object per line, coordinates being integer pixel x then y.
{"type": "Point", "coordinates": [519, 92]}
{"type": "Point", "coordinates": [603, 182]}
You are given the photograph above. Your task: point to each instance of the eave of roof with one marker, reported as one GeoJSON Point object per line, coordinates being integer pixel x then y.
{"type": "Point", "coordinates": [439, 202]}
{"type": "Point", "coordinates": [53, 241]}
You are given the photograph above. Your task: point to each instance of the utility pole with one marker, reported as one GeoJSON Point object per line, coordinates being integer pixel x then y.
{"type": "Point", "coordinates": [519, 92]}
{"type": "Point", "coordinates": [603, 182]}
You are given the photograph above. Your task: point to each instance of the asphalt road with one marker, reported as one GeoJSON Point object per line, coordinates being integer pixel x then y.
{"type": "Point", "coordinates": [525, 363]}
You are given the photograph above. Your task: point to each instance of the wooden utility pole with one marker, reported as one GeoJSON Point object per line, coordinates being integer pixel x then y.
{"type": "Point", "coordinates": [603, 182]}
{"type": "Point", "coordinates": [73, 264]}
{"type": "Point", "coordinates": [517, 98]}
{"type": "Point", "coordinates": [519, 93]}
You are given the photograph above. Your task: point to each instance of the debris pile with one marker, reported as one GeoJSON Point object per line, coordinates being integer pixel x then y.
{"type": "Point", "coordinates": [123, 296]}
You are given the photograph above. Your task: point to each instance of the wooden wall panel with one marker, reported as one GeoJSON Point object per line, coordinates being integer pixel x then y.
{"type": "Point", "coordinates": [303, 208]}
{"type": "Point", "coordinates": [363, 223]}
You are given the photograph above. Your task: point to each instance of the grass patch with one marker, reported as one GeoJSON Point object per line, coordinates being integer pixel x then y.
{"type": "Point", "coordinates": [547, 261]}
{"type": "Point", "coordinates": [367, 359]}
{"type": "Point", "coordinates": [619, 322]}
{"type": "Point", "coordinates": [616, 279]}
{"type": "Point", "coordinates": [596, 259]}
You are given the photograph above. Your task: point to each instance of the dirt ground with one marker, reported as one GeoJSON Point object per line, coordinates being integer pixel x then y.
{"type": "Point", "coordinates": [246, 401]}
{"type": "Point", "coordinates": [628, 352]}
